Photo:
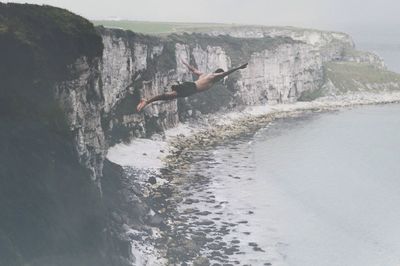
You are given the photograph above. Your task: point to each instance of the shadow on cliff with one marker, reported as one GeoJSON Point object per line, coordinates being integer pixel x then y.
{"type": "Point", "coordinates": [52, 213]}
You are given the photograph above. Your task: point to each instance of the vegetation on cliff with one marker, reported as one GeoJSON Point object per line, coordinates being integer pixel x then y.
{"type": "Point", "coordinates": [37, 46]}
{"type": "Point", "coordinates": [353, 77]}
{"type": "Point", "coordinates": [150, 27]}
{"type": "Point", "coordinates": [53, 37]}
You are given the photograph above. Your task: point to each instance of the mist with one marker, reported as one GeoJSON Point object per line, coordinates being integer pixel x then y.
{"type": "Point", "coordinates": [332, 15]}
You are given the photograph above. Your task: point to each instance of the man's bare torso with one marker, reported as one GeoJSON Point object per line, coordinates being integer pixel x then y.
{"type": "Point", "coordinates": [205, 81]}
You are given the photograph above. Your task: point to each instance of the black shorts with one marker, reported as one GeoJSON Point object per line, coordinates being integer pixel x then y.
{"type": "Point", "coordinates": [185, 89]}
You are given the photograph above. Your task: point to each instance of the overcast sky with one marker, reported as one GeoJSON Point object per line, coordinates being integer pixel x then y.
{"type": "Point", "coordinates": [327, 14]}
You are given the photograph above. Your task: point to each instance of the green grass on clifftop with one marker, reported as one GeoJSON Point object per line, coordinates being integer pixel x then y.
{"type": "Point", "coordinates": [350, 76]}
{"type": "Point", "coordinates": [164, 28]}
{"type": "Point", "coordinates": [156, 28]}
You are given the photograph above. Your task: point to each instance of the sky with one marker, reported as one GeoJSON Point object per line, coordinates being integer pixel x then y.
{"type": "Point", "coordinates": [323, 14]}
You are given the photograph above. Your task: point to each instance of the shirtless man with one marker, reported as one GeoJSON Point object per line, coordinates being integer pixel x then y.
{"type": "Point", "coordinates": [203, 83]}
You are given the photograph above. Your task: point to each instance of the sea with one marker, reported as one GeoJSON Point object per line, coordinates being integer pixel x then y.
{"type": "Point", "coordinates": [321, 189]}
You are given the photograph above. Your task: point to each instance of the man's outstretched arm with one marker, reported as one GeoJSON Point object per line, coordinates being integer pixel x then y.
{"type": "Point", "coordinates": [191, 68]}
{"type": "Point", "coordinates": [224, 74]}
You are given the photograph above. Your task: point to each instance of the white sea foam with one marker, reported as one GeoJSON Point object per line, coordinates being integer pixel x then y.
{"type": "Point", "coordinates": [144, 255]}
{"type": "Point", "coordinates": [140, 153]}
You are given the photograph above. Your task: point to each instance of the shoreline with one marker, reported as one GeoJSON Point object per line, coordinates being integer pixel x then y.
{"type": "Point", "coordinates": [216, 129]}
{"type": "Point", "coordinates": [170, 160]}
{"type": "Point", "coordinates": [211, 129]}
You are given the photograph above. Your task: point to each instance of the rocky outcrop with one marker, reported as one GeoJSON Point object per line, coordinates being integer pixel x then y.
{"type": "Point", "coordinates": [81, 99]}
{"type": "Point", "coordinates": [362, 57]}
{"type": "Point", "coordinates": [329, 44]}
{"type": "Point", "coordinates": [135, 66]}
{"type": "Point", "coordinates": [280, 76]}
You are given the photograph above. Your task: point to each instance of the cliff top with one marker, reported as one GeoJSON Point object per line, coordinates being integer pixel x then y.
{"type": "Point", "coordinates": [160, 28]}
{"type": "Point", "coordinates": [51, 35]}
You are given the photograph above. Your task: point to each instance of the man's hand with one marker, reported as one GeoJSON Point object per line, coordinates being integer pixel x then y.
{"type": "Point", "coordinates": [243, 66]}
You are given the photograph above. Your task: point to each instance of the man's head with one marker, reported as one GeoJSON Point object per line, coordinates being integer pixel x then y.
{"type": "Point", "coordinates": [219, 77]}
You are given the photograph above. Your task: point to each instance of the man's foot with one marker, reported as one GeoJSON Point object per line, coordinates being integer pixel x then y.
{"type": "Point", "coordinates": [142, 104]}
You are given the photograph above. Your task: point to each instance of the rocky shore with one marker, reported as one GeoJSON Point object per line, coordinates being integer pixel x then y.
{"type": "Point", "coordinates": [186, 234]}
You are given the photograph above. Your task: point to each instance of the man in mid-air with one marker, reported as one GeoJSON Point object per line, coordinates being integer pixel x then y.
{"type": "Point", "coordinates": [185, 89]}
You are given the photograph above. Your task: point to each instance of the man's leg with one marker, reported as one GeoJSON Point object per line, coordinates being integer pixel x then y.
{"type": "Point", "coordinates": [163, 97]}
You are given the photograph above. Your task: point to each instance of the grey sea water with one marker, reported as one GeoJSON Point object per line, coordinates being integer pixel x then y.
{"type": "Point", "coordinates": [335, 181]}
{"type": "Point", "coordinates": [322, 189]}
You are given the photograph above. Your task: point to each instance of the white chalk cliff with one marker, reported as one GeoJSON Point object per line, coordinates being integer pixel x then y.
{"type": "Point", "coordinates": [283, 64]}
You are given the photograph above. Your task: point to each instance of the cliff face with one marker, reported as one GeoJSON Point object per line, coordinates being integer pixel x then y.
{"type": "Point", "coordinates": [285, 65]}
{"type": "Point", "coordinates": [68, 91]}
{"type": "Point", "coordinates": [81, 99]}
{"type": "Point", "coordinates": [133, 66]}
{"type": "Point", "coordinates": [282, 66]}
{"type": "Point", "coordinates": [52, 143]}
{"type": "Point", "coordinates": [329, 44]}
